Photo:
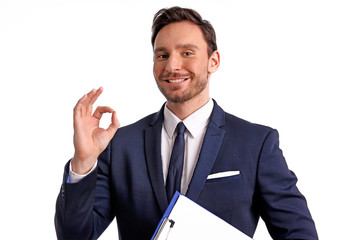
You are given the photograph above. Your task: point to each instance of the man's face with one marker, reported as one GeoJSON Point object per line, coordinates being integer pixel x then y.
{"type": "Point", "coordinates": [181, 62]}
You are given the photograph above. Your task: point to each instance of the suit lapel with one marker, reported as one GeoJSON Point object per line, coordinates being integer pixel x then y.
{"type": "Point", "coordinates": [211, 145]}
{"type": "Point", "coordinates": [153, 158]}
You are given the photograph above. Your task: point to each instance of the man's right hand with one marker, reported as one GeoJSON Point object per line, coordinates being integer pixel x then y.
{"type": "Point", "coordinates": [89, 139]}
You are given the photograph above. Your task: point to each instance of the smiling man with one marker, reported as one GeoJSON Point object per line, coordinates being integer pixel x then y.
{"type": "Point", "coordinates": [182, 66]}
{"type": "Point", "coordinates": [232, 167]}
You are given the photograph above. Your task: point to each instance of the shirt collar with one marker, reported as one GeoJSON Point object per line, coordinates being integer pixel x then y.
{"type": "Point", "coordinates": [194, 123]}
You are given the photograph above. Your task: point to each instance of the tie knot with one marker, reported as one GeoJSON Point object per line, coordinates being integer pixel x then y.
{"type": "Point", "coordinates": [180, 128]}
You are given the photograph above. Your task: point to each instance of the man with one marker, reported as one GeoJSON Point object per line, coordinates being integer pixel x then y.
{"type": "Point", "coordinates": [129, 172]}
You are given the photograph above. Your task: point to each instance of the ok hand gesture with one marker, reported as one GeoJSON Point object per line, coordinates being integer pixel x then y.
{"type": "Point", "coordinates": [89, 139]}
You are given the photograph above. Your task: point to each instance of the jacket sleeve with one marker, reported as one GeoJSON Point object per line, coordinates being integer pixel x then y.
{"type": "Point", "coordinates": [282, 207]}
{"type": "Point", "coordinates": [83, 209]}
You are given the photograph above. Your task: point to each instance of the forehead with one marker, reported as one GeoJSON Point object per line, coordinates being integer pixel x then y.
{"type": "Point", "coordinates": [180, 33]}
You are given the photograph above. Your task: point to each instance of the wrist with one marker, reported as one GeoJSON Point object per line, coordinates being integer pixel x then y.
{"type": "Point", "coordinates": [82, 166]}
{"type": "Point", "coordinates": [75, 178]}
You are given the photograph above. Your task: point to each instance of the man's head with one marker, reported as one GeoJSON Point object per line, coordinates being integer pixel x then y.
{"type": "Point", "coordinates": [183, 62]}
{"type": "Point", "coordinates": [167, 16]}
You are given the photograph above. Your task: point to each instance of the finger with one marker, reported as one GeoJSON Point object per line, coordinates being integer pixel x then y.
{"type": "Point", "coordinates": [78, 109]}
{"type": "Point", "coordinates": [95, 96]}
{"type": "Point", "coordinates": [87, 103]}
{"type": "Point", "coordinates": [83, 101]}
{"type": "Point", "coordinates": [99, 111]}
{"type": "Point", "coordinates": [115, 124]}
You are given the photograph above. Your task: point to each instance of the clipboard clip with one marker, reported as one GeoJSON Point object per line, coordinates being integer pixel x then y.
{"type": "Point", "coordinates": [164, 230]}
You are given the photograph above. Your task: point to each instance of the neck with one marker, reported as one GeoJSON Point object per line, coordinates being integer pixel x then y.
{"type": "Point", "coordinates": [185, 109]}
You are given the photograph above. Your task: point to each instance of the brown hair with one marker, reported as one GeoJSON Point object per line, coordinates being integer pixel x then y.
{"type": "Point", "coordinates": [166, 16]}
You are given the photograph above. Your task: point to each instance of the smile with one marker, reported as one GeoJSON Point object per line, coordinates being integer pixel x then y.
{"type": "Point", "coordinates": [176, 80]}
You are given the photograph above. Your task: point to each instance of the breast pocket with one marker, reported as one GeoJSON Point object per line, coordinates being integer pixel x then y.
{"type": "Point", "coordinates": [223, 176]}
{"type": "Point", "coordinates": [221, 195]}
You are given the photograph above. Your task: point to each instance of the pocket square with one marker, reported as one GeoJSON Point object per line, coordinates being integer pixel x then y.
{"type": "Point", "coordinates": [223, 174]}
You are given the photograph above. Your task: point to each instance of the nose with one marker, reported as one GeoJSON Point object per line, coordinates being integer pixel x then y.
{"type": "Point", "coordinates": [173, 63]}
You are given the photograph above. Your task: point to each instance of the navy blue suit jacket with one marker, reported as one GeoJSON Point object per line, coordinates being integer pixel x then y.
{"type": "Point", "coordinates": [128, 183]}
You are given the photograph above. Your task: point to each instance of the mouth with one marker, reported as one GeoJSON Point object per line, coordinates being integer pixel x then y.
{"type": "Point", "coordinates": [176, 80]}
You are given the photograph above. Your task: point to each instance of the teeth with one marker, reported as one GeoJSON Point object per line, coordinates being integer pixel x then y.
{"type": "Point", "coordinates": [177, 80]}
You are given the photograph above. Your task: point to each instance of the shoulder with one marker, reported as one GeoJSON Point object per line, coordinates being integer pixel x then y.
{"type": "Point", "coordinates": [136, 128]}
{"type": "Point", "coordinates": [239, 123]}
{"type": "Point", "coordinates": [231, 122]}
{"type": "Point", "coordinates": [236, 127]}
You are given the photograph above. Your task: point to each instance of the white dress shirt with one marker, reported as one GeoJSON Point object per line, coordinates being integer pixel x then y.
{"type": "Point", "coordinates": [195, 124]}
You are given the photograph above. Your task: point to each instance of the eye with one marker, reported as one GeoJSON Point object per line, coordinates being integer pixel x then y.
{"type": "Point", "coordinates": [162, 56]}
{"type": "Point", "coordinates": [188, 53]}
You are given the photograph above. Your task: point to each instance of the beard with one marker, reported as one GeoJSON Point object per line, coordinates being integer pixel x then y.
{"type": "Point", "coordinates": [197, 85]}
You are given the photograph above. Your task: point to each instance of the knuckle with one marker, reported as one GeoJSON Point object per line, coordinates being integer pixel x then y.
{"type": "Point", "coordinates": [76, 108]}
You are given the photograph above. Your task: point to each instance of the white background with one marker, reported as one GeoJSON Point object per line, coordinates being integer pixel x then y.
{"type": "Point", "coordinates": [292, 65]}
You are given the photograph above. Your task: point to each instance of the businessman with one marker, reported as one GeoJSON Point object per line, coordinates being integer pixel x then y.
{"type": "Point", "coordinates": [232, 167]}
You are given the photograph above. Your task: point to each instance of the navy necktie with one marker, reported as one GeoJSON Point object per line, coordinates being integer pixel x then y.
{"type": "Point", "coordinates": [173, 181]}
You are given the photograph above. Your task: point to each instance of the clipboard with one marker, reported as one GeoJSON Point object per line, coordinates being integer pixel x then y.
{"type": "Point", "coordinates": [185, 219]}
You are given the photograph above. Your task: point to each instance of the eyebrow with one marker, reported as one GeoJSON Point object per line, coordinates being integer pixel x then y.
{"type": "Point", "coordinates": [186, 45]}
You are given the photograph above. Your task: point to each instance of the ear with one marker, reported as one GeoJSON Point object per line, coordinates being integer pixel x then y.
{"type": "Point", "coordinates": [214, 62]}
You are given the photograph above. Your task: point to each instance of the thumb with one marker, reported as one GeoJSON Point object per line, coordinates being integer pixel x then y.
{"type": "Point", "coordinates": [114, 125]}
